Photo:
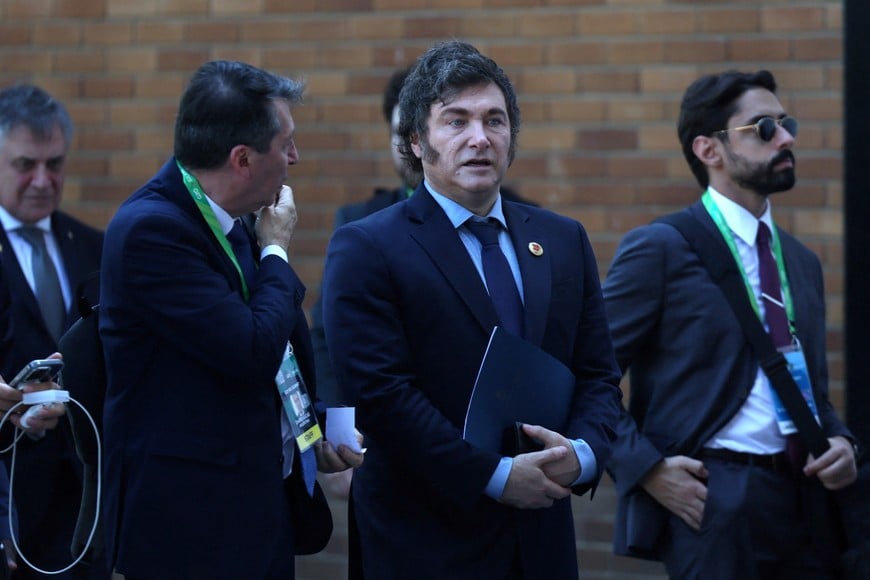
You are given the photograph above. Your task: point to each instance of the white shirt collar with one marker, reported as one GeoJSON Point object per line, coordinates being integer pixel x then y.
{"type": "Point", "coordinates": [225, 220]}
{"type": "Point", "coordinates": [458, 214]}
{"type": "Point", "coordinates": [11, 223]}
{"type": "Point", "coordinates": [739, 219]}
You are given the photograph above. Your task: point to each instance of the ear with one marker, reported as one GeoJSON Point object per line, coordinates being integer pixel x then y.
{"type": "Point", "coordinates": [240, 160]}
{"type": "Point", "coordinates": [708, 150]}
{"type": "Point", "coordinates": [415, 146]}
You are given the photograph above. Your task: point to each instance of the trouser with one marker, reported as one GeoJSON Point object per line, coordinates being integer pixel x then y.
{"type": "Point", "coordinates": [756, 526]}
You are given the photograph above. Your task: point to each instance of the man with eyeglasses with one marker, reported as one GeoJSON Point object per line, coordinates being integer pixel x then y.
{"type": "Point", "coordinates": [709, 480]}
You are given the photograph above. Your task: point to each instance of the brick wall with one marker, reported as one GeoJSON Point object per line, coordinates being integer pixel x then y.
{"type": "Point", "coordinates": [599, 84]}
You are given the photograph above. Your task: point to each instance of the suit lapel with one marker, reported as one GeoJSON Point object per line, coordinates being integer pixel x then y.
{"type": "Point", "coordinates": [74, 260]}
{"type": "Point", "coordinates": [436, 235]}
{"type": "Point", "coordinates": [430, 230]}
{"type": "Point", "coordinates": [798, 278]}
{"type": "Point", "coordinates": [534, 269]}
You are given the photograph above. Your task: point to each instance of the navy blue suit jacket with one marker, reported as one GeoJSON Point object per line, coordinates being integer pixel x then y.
{"type": "Point", "coordinates": [193, 485]}
{"type": "Point", "coordinates": [407, 321]}
{"type": "Point", "coordinates": [691, 367]}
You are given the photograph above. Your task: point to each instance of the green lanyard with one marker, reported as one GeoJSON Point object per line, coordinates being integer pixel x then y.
{"type": "Point", "coordinates": [719, 219]}
{"type": "Point", "coordinates": [199, 198]}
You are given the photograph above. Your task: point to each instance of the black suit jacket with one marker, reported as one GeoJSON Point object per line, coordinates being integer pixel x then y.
{"type": "Point", "coordinates": [48, 467]}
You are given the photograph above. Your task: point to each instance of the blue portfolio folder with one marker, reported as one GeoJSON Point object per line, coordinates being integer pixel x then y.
{"type": "Point", "coordinates": [517, 381]}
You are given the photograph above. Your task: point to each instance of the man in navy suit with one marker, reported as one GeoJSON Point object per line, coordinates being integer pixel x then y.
{"type": "Point", "coordinates": [195, 324]}
{"type": "Point", "coordinates": [408, 318]}
{"type": "Point", "coordinates": [701, 463]}
{"type": "Point", "coordinates": [35, 136]}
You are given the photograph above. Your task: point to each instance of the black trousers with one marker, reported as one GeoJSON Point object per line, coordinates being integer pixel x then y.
{"type": "Point", "coordinates": [756, 526]}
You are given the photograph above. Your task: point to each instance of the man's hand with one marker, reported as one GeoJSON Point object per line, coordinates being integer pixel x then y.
{"type": "Point", "coordinates": [331, 461]}
{"type": "Point", "coordinates": [45, 418]}
{"type": "Point", "coordinates": [836, 467]}
{"type": "Point", "coordinates": [528, 487]}
{"type": "Point", "coordinates": [276, 222]}
{"type": "Point", "coordinates": [674, 483]}
{"type": "Point", "coordinates": [566, 470]}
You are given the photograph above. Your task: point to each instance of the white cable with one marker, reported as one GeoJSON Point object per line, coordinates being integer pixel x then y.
{"type": "Point", "coordinates": [58, 396]}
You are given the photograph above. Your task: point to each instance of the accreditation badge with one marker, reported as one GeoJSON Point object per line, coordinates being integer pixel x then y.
{"type": "Point", "coordinates": [296, 402]}
{"type": "Point", "coordinates": [797, 366]}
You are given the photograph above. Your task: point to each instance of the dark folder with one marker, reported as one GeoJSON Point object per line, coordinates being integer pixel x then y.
{"type": "Point", "coordinates": [517, 382]}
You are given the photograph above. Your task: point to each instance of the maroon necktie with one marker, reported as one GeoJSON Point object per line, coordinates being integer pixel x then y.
{"type": "Point", "coordinates": [777, 324]}
{"type": "Point", "coordinates": [771, 291]}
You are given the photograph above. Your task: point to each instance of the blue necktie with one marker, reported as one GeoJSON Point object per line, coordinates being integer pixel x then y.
{"type": "Point", "coordinates": [777, 324]}
{"type": "Point", "coordinates": [243, 249]}
{"type": "Point", "coordinates": [499, 278]}
{"type": "Point", "coordinates": [309, 469]}
{"type": "Point", "coordinates": [45, 279]}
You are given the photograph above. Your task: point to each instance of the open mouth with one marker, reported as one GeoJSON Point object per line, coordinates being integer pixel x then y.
{"type": "Point", "coordinates": [479, 163]}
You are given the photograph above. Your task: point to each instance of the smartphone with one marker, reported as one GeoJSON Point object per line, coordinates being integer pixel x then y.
{"type": "Point", "coordinates": [37, 371]}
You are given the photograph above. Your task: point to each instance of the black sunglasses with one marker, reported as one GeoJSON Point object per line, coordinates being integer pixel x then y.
{"type": "Point", "coordinates": [765, 127]}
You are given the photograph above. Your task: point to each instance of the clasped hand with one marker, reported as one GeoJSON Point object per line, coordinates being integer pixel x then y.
{"type": "Point", "coordinates": [539, 478]}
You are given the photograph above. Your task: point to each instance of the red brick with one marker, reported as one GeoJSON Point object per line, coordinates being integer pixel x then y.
{"type": "Point", "coordinates": [53, 34]}
{"type": "Point", "coordinates": [15, 34]}
{"type": "Point", "coordinates": [758, 49]}
{"type": "Point", "coordinates": [821, 48]}
{"type": "Point", "coordinates": [668, 22]}
{"type": "Point", "coordinates": [15, 61]}
{"type": "Point", "coordinates": [731, 20]}
{"type": "Point", "coordinates": [111, 33]}
{"type": "Point", "coordinates": [112, 88]}
{"type": "Point", "coordinates": [606, 23]}
{"type": "Point", "coordinates": [222, 32]}
{"type": "Point", "coordinates": [683, 51]}
{"type": "Point", "coordinates": [79, 9]}
{"type": "Point", "coordinates": [792, 18]}
{"type": "Point", "coordinates": [181, 60]}
{"type": "Point", "coordinates": [27, 9]}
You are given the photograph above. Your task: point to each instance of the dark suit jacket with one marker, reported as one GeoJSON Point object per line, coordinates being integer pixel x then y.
{"type": "Point", "coordinates": [48, 467]}
{"type": "Point", "coordinates": [192, 466]}
{"type": "Point", "coordinates": [80, 248]}
{"type": "Point", "coordinates": [691, 368]}
{"type": "Point", "coordinates": [407, 321]}
{"type": "Point", "coordinates": [5, 345]}
{"type": "Point", "coordinates": [327, 387]}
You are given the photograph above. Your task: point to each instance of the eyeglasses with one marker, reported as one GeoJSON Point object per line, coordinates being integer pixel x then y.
{"type": "Point", "coordinates": [765, 127]}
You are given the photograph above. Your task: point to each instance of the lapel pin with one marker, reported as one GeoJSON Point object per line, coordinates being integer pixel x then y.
{"type": "Point", "coordinates": [536, 249]}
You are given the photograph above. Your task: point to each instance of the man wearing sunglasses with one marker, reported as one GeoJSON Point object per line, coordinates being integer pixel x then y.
{"type": "Point", "coordinates": [711, 478]}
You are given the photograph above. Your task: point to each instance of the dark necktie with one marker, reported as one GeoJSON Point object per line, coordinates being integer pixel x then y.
{"type": "Point", "coordinates": [771, 291]}
{"type": "Point", "coordinates": [242, 248]}
{"type": "Point", "coordinates": [48, 292]}
{"type": "Point", "coordinates": [499, 278]}
{"type": "Point", "coordinates": [777, 324]}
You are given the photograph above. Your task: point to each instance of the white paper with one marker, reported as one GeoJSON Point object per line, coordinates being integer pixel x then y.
{"type": "Point", "coordinates": [340, 427]}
